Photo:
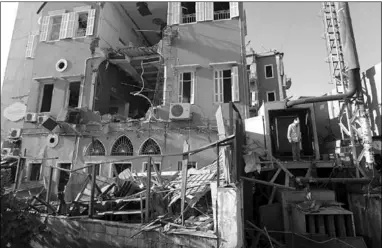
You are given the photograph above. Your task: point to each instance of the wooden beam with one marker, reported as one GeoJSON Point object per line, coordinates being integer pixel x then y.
{"type": "Point", "coordinates": [186, 147]}
{"type": "Point", "coordinates": [91, 201]}
{"type": "Point", "coordinates": [148, 169]}
{"type": "Point", "coordinates": [275, 175]}
{"type": "Point", "coordinates": [49, 189]}
{"type": "Point", "coordinates": [267, 183]}
{"type": "Point", "coordinates": [263, 232]}
{"type": "Point", "coordinates": [78, 197]}
{"type": "Point", "coordinates": [18, 173]}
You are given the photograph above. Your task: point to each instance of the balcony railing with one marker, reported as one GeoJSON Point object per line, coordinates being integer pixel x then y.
{"type": "Point", "coordinates": [190, 18]}
{"type": "Point", "coordinates": [221, 14]}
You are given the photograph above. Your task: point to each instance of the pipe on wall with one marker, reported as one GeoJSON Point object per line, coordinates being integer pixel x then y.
{"type": "Point", "coordinates": [350, 59]}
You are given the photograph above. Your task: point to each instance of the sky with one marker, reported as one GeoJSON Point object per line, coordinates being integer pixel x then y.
{"type": "Point", "coordinates": [294, 28]}
{"type": "Point", "coordinates": [8, 17]}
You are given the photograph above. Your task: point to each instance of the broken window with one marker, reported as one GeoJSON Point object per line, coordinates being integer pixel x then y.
{"type": "Point", "coordinates": [221, 10]}
{"type": "Point", "coordinates": [190, 165]}
{"type": "Point", "coordinates": [223, 86]}
{"type": "Point", "coordinates": [97, 168]}
{"type": "Point", "coordinates": [271, 96]}
{"type": "Point", "coordinates": [96, 148]}
{"type": "Point", "coordinates": [157, 166]}
{"type": "Point", "coordinates": [150, 147]}
{"type": "Point", "coordinates": [55, 27]}
{"type": "Point", "coordinates": [64, 176]}
{"type": "Point", "coordinates": [188, 12]}
{"type": "Point", "coordinates": [35, 172]}
{"type": "Point", "coordinates": [122, 147]}
{"type": "Point", "coordinates": [186, 87]}
{"type": "Point", "coordinates": [47, 94]}
{"type": "Point", "coordinates": [122, 166]}
{"type": "Point", "coordinates": [268, 71]}
{"type": "Point", "coordinates": [82, 24]}
{"type": "Point", "coordinates": [74, 94]}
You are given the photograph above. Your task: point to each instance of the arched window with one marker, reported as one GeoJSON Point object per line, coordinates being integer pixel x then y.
{"type": "Point", "coordinates": [122, 147]}
{"type": "Point", "coordinates": [150, 147]}
{"type": "Point", "coordinates": [96, 148]}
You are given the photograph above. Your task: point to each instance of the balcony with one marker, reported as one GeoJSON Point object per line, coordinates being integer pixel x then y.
{"type": "Point", "coordinates": [190, 18]}
{"type": "Point", "coordinates": [221, 14]}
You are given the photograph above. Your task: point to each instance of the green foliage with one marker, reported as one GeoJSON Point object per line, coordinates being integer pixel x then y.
{"type": "Point", "coordinates": [18, 226]}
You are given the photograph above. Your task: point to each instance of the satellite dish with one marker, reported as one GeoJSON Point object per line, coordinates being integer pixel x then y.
{"type": "Point", "coordinates": [15, 111]}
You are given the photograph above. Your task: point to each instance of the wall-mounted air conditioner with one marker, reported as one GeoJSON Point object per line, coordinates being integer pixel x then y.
{"type": "Point", "coordinates": [14, 133]}
{"type": "Point", "coordinates": [41, 118]}
{"type": "Point", "coordinates": [180, 111]}
{"type": "Point", "coordinates": [5, 151]}
{"type": "Point", "coordinates": [31, 117]}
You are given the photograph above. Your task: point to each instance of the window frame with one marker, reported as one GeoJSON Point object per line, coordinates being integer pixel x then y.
{"type": "Point", "coordinates": [50, 27]}
{"type": "Point", "coordinates": [181, 15]}
{"type": "Point", "coordinates": [67, 97]}
{"type": "Point", "coordinates": [76, 19]}
{"type": "Point", "coordinates": [268, 92]}
{"type": "Point", "coordinates": [154, 163]}
{"type": "Point", "coordinates": [181, 86]}
{"type": "Point", "coordinates": [41, 96]}
{"type": "Point", "coordinates": [124, 162]}
{"type": "Point", "coordinates": [86, 170]}
{"type": "Point", "coordinates": [265, 71]}
{"type": "Point", "coordinates": [30, 171]}
{"type": "Point", "coordinates": [221, 84]}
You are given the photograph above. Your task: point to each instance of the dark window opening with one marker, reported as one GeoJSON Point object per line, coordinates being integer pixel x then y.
{"type": "Point", "coordinates": [97, 168]}
{"type": "Point", "coordinates": [221, 10]}
{"type": "Point", "coordinates": [74, 94]}
{"type": "Point", "coordinates": [55, 28]}
{"type": "Point", "coordinates": [157, 166]}
{"type": "Point", "coordinates": [186, 86]}
{"type": "Point", "coordinates": [82, 24]}
{"type": "Point", "coordinates": [47, 98]}
{"type": "Point", "coordinates": [64, 177]}
{"type": "Point", "coordinates": [271, 96]}
{"type": "Point", "coordinates": [227, 86]}
{"type": "Point", "coordinates": [35, 172]}
{"type": "Point", "coordinates": [190, 165]}
{"type": "Point", "coordinates": [268, 71]}
{"type": "Point", "coordinates": [121, 167]}
{"type": "Point", "coordinates": [188, 12]}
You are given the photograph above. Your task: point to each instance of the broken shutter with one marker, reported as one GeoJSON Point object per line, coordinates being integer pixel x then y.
{"type": "Point", "coordinates": [71, 25]}
{"type": "Point", "coordinates": [180, 93]}
{"type": "Point", "coordinates": [176, 12]}
{"type": "Point", "coordinates": [200, 11]}
{"type": "Point", "coordinates": [44, 28]}
{"type": "Point", "coordinates": [235, 84]}
{"type": "Point", "coordinates": [234, 9]}
{"type": "Point", "coordinates": [169, 13]}
{"type": "Point", "coordinates": [209, 11]}
{"type": "Point", "coordinates": [91, 19]}
{"type": "Point", "coordinates": [192, 93]}
{"type": "Point", "coordinates": [30, 44]}
{"type": "Point", "coordinates": [64, 26]}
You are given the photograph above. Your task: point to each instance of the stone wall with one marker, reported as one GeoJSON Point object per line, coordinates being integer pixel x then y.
{"type": "Point", "coordinates": [86, 233]}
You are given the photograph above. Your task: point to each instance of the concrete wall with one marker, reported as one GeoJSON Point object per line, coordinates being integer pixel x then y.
{"type": "Point", "coordinates": [204, 43]}
{"type": "Point", "coordinates": [81, 233]}
{"type": "Point", "coordinates": [18, 73]}
{"type": "Point", "coordinates": [270, 84]}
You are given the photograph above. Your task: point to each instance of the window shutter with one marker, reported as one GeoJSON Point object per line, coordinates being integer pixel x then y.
{"type": "Point", "coordinates": [218, 93]}
{"type": "Point", "coordinates": [71, 25]}
{"type": "Point", "coordinates": [91, 19]}
{"type": "Point", "coordinates": [193, 81]}
{"type": "Point", "coordinates": [164, 84]}
{"type": "Point", "coordinates": [235, 84]}
{"type": "Point", "coordinates": [234, 9]}
{"type": "Point", "coordinates": [200, 11]}
{"type": "Point", "coordinates": [64, 26]}
{"type": "Point", "coordinates": [176, 12]}
{"type": "Point", "coordinates": [169, 13]}
{"type": "Point", "coordinates": [180, 93]}
{"type": "Point", "coordinates": [209, 11]}
{"type": "Point", "coordinates": [44, 28]}
{"type": "Point", "coordinates": [29, 50]}
{"type": "Point", "coordinates": [245, 24]}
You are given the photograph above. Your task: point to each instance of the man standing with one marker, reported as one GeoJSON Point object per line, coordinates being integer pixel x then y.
{"type": "Point", "coordinates": [294, 137]}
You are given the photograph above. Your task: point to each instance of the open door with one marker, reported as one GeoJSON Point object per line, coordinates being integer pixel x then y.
{"type": "Point", "coordinates": [63, 177]}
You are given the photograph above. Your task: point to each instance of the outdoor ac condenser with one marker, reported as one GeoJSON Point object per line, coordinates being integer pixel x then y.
{"type": "Point", "coordinates": [180, 111]}
{"type": "Point", "coordinates": [30, 117]}
{"type": "Point", "coordinates": [14, 133]}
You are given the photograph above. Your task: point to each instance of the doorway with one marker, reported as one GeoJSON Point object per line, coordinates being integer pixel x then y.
{"type": "Point", "coordinates": [63, 176]}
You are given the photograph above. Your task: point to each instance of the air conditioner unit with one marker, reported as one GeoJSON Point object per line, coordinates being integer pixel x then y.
{"type": "Point", "coordinates": [14, 133]}
{"type": "Point", "coordinates": [180, 111]}
{"type": "Point", "coordinates": [30, 117]}
{"type": "Point", "coordinates": [5, 151]}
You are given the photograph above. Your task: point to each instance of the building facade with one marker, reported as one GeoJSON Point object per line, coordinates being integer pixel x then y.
{"type": "Point", "coordinates": [111, 82]}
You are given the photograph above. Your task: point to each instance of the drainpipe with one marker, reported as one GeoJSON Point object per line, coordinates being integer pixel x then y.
{"type": "Point", "coordinates": [350, 58]}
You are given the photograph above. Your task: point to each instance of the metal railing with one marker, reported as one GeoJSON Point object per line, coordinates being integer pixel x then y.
{"type": "Point", "coordinates": [189, 18]}
{"type": "Point", "coordinates": [221, 14]}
